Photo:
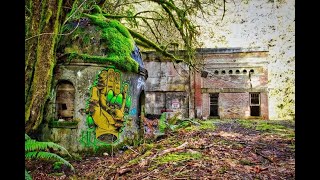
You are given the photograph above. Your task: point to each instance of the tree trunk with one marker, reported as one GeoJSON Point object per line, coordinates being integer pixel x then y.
{"type": "Point", "coordinates": [44, 24]}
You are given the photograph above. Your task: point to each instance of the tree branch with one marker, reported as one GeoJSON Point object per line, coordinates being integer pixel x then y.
{"type": "Point", "coordinates": [122, 16]}
{"type": "Point", "coordinates": [153, 45]}
{"type": "Point", "coordinates": [53, 33]}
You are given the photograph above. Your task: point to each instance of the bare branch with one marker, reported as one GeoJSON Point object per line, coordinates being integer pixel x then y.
{"type": "Point", "coordinates": [151, 29]}
{"type": "Point", "coordinates": [53, 33]}
{"type": "Point", "coordinates": [122, 16]}
{"type": "Point", "coordinates": [153, 45]}
{"type": "Point", "coordinates": [224, 9]}
{"type": "Point", "coordinates": [73, 12]}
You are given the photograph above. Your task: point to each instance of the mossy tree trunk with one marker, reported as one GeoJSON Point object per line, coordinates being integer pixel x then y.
{"type": "Point", "coordinates": [42, 28]}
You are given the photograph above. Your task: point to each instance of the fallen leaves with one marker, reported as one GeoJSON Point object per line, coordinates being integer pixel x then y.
{"type": "Point", "coordinates": [226, 153]}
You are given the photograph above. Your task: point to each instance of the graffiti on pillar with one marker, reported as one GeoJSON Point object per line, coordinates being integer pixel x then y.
{"type": "Point", "coordinates": [107, 108]}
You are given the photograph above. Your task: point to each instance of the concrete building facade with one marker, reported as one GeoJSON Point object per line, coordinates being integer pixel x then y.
{"type": "Point", "coordinates": [233, 84]}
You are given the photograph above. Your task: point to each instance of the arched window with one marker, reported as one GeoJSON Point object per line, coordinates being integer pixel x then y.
{"type": "Point", "coordinates": [216, 72]}
{"type": "Point", "coordinates": [230, 72]}
{"type": "Point", "coordinates": [237, 71]}
{"type": "Point", "coordinates": [251, 71]}
{"type": "Point", "coordinates": [223, 72]}
{"type": "Point", "coordinates": [65, 100]}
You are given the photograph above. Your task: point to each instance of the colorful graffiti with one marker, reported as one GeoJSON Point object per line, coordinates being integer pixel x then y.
{"type": "Point", "coordinates": [107, 108]}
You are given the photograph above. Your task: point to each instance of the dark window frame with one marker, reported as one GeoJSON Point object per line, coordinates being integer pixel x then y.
{"type": "Point", "coordinates": [255, 104]}
{"type": "Point", "coordinates": [214, 101]}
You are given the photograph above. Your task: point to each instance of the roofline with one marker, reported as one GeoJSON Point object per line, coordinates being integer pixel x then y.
{"type": "Point", "coordinates": [224, 50]}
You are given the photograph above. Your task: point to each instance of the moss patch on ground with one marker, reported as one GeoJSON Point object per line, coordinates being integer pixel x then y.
{"type": "Point", "coordinates": [269, 126]}
{"type": "Point", "coordinates": [203, 125]}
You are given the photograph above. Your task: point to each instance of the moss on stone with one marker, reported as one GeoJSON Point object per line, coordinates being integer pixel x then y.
{"type": "Point", "coordinates": [63, 124]}
{"type": "Point", "coordinates": [114, 40]}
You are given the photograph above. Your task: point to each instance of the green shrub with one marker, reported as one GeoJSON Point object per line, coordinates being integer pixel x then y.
{"type": "Point", "coordinates": [39, 150]}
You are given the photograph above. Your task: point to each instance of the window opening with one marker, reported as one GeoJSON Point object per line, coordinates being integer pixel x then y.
{"type": "Point", "coordinates": [214, 105]}
{"type": "Point", "coordinates": [65, 100]}
{"type": "Point", "coordinates": [254, 104]}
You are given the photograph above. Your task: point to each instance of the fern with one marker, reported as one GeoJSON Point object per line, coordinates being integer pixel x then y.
{"type": "Point", "coordinates": [33, 145]}
{"type": "Point", "coordinates": [47, 156]}
{"type": "Point", "coordinates": [27, 176]}
{"type": "Point", "coordinates": [38, 150]}
{"type": "Point", "coordinates": [26, 137]}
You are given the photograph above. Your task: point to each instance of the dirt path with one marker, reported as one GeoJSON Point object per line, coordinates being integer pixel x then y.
{"type": "Point", "coordinates": [216, 149]}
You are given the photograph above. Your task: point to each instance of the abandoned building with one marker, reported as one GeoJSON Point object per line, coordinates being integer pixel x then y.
{"type": "Point", "coordinates": [103, 86]}
{"type": "Point", "coordinates": [233, 84]}
{"type": "Point", "coordinates": [95, 101]}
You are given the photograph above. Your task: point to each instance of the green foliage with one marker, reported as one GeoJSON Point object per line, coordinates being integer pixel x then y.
{"type": "Point", "coordinates": [162, 123]}
{"type": "Point", "coordinates": [119, 43]}
{"type": "Point", "coordinates": [57, 165]}
{"type": "Point", "coordinates": [39, 150]}
{"type": "Point", "coordinates": [27, 176]}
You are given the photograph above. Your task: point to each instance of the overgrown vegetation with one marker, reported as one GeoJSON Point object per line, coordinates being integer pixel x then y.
{"type": "Point", "coordinates": [164, 26]}
{"type": "Point", "coordinates": [270, 126]}
{"type": "Point", "coordinates": [114, 44]}
{"type": "Point", "coordinates": [43, 150]}
{"type": "Point", "coordinates": [230, 150]}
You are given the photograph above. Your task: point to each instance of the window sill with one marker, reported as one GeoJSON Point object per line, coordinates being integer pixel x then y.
{"type": "Point", "coordinates": [63, 124]}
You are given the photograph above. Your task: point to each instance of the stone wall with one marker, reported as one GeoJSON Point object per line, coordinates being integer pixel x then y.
{"type": "Point", "coordinates": [167, 87]}
{"type": "Point", "coordinates": [259, 23]}
{"type": "Point", "coordinates": [231, 72]}
{"type": "Point", "coordinates": [80, 137]}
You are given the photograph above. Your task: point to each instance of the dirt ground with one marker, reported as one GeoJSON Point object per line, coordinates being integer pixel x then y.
{"type": "Point", "coordinates": [214, 149]}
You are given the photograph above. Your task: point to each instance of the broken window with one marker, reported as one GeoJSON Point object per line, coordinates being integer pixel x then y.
{"type": "Point", "coordinates": [214, 104]}
{"type": "Point", "coordinates": [65, 100]}
{"type": "Point", "coordinates": [254, 104]}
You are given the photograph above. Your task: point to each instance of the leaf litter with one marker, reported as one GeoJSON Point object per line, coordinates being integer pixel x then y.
{"type": "Point", "coordinates": [234, 149]}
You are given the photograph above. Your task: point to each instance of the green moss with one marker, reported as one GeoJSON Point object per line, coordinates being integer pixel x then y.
{"type": "Point", "coordinates": [121, 63]}
{"type": "Point", "coordinates": [119, 44]}
{"type": "Point", "coordinates": [269, 126]}
{"type": "Point", "coordinates": [63, 124]}
{"type": "Point", "coordinates": [139, 158]}
{"type": "Point", "coordinates": [177, 157]}
{"type": "Point", "coordinates": [204, 125]}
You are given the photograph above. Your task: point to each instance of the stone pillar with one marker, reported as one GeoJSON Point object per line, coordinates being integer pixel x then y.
{"type": "Point", "coordinates": [191, 94]}
{"type": "Point", "coordinates": [197, 95]}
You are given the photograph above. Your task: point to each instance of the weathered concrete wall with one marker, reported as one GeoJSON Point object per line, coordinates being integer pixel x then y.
{"type": "Point", "coordinates": [230, 70]}
{"type": "Point", "coordinates": [260, 23]}
{"type": "Point", "coordinates": [167, 87]}
{"type": "Point", "coordinates": [82, 76]}
{"type": "Point", "coordinates": [233, 76]}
